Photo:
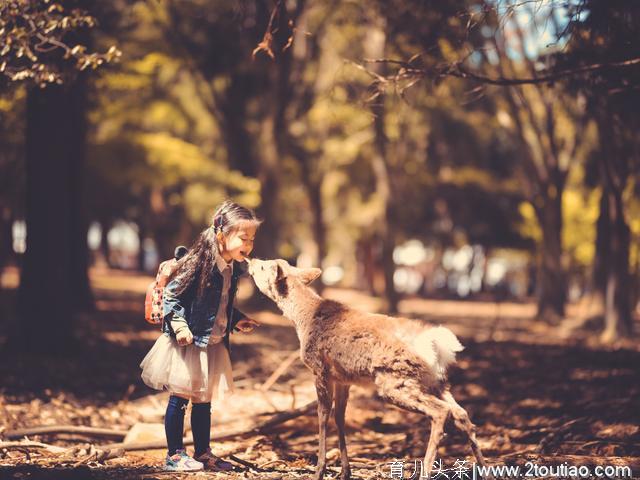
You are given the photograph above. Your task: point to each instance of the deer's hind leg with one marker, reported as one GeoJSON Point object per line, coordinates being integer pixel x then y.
{"type": "Point", "coordinates": [341, 398]}
{"type": "Point", "coordinates": [409, 395]}
{"type": "Point", "coordinates": [324, 389]}
{"type": "Point", "coordinates": [461, 420]}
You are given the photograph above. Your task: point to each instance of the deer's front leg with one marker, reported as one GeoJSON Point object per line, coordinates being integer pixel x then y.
{"type": "Point", "coordinates": [324, 389]}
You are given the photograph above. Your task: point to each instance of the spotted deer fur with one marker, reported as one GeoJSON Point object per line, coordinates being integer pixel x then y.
{"type": "Point", "coordinates": [402, 359]}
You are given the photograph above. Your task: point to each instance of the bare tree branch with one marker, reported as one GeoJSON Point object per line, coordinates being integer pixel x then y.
{"type": "Point", "coordinates": [459, 70]}
{"type": "Point", "coordinates": [267, 41]}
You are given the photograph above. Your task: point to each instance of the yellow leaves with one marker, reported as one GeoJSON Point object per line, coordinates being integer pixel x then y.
{"type": "Point", "coordinates": [198, 199]}
{"type": "Point", "coordinates": [160, 160]}
{"type": "Point", "coordinates": [179, 161]}
{"type": "Point", "coordinates": [78, 49]}
{"type": "Point", "coordinates": [114, 51]}
{"type": "Point", "coordinates": [250, 198]}
{"type": "Point", "coordinates": [153, 61]}
{"type": "Point", "coordinates": [447, 50]}
{"type": "Point", "coordinates": [335, 129]}
{"type": "Point", "coordinates": [344, 150]}
{"type": "Point", "coordinates": [333, 181]}
{"type": "Point", "coordinates": [5, 105]}
{"type": "Point", "coordinates": [364, 213]}
{"type": "Point", "coordinates": [337, 111]}
{"type": "Point", "coordinates": [55, 7]}
{"type": "Point", "coordinates": [632, 215]}
{"type": "Point", "coordinates": [580, 213]}
{"type": "Point", "coordinates": [529, 226]}
{"type": "Point", "coordinates": [161, 113]}
{"type": "Point", "coordinates": [465, 175]}
{"type": "Point", "coordinates": [311, 144]}
{"type": "Point", "coordinates": [123, 81]}
{"type": "Point", "coordinates": [173, 157]}
{"type": "Point", "coordinates": [10, 99]}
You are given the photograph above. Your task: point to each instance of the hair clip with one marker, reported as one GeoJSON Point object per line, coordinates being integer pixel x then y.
{"type": "Point", "coordinates": [217, 223]}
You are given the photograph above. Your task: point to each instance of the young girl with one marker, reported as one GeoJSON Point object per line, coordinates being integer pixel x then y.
{"type": "Point", "coordinates": [191, 357]}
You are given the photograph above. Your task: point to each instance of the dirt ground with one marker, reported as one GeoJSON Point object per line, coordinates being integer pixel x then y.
{"type": "Point", "coordinates": [536, 393]}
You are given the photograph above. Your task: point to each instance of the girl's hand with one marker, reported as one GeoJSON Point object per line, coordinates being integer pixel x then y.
{"type": "Point", "coordinates": [184, 336]}
{"type": "Point", "coordinates": [246, 325]}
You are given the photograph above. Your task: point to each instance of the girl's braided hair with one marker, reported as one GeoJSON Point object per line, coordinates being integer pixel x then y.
{"type": "Point", "coordinates": [204, 251]}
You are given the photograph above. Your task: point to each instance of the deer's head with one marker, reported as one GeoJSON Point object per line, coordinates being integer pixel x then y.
{"type": "Point", "coordinates": [276, 278]}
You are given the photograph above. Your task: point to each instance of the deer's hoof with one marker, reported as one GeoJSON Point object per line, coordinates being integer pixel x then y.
{"type": "Point", "coordinates": [319, 474]}
{"type": "Point", "coordinates": [345, 474]}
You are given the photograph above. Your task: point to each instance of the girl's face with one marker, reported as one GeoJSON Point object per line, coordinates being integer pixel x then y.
{"type": "Point", "coordinates": [238, 243]}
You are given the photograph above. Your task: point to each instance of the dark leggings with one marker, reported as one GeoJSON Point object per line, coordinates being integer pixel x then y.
{"type": "Point", "coordinates": [200, 424]}
{"type": "Point", "coordinates": [174, 423]}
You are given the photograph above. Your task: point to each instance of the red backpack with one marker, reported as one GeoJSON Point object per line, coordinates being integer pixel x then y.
{"type": "Point", "coordinates": [153, 299]}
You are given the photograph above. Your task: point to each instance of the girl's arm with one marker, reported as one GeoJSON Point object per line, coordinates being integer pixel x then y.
{"type": "Point", "coordinates": [174, 311]}
{"type": "Point", "coordinates": [237, 315]}
{"type": "Point", "coordinates": [172, 308]}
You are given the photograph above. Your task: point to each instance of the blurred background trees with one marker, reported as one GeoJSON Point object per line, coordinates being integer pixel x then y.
{"type": "Point", "coordinates": [469, 149]}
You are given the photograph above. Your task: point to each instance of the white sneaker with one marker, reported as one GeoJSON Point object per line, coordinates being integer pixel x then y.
{"type": "Point", "coordinates": [181, 462]}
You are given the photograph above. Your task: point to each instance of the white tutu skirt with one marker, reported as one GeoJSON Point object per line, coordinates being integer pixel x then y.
{"type": "Point", "coordinates": [200, 373]}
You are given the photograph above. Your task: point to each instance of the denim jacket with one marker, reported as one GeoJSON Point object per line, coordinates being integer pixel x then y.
{"type": "Point", "coordinates": [200, 314]}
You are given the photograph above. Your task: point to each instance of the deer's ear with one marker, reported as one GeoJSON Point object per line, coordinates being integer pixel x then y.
{"type": "Point", "coordinates": [279, 272]}
{"type": "Point", "coordinates": [308, 275]}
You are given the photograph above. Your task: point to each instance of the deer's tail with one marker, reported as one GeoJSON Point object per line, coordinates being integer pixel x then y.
{"type": "Point", "coordinates": [438, 347]}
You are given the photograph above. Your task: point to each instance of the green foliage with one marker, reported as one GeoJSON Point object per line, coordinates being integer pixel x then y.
{"type": "Point", "coordinates": [155, 135]}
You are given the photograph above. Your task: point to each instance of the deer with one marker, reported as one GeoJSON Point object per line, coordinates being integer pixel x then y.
{"type": "Point", "coordinates": [403, 360]}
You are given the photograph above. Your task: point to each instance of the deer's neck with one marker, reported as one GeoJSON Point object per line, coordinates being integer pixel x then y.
{"type": "Point", "coordinates": [299, 306]}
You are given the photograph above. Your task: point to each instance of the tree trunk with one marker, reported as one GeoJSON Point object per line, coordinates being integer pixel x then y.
{"type": "Point", "coordinates": [551, 277]}
{"type": "Point", "coordinates": [614, 173]}
{"type": "Point", "coordinates": [602, 254]}
{"type": "Point", "coordinates": [238, 141]}
{"type": "Point", "coordinates": [6, 237]}
{"type": "Point", "coordinates": [105, 249]}
{"type": "Point", "coordinates": [617, 318]}
{"type": "Point", "coordinates": [82, 297]}
{"type": "Point", "coordinates": [375, 48]}
{"type": "Point", "coordinates": [241, 146]}
{"type": "Point", "coordinates": [292, 97]}
{"type": "Point", "coordinates": [275, 141]}
{"type": "Point", "coordinates": [319, 229]}
{"type": "Point", "coordinates": [389, 266]}
{"type": "Point", "coordinates": [142, 234]}
{"type": "Point", "coordinates": [366, 267]}
{"type": "Point", "coordinates": [269, 209]}
{"type": "Point", "coordinates": [45, 292]}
